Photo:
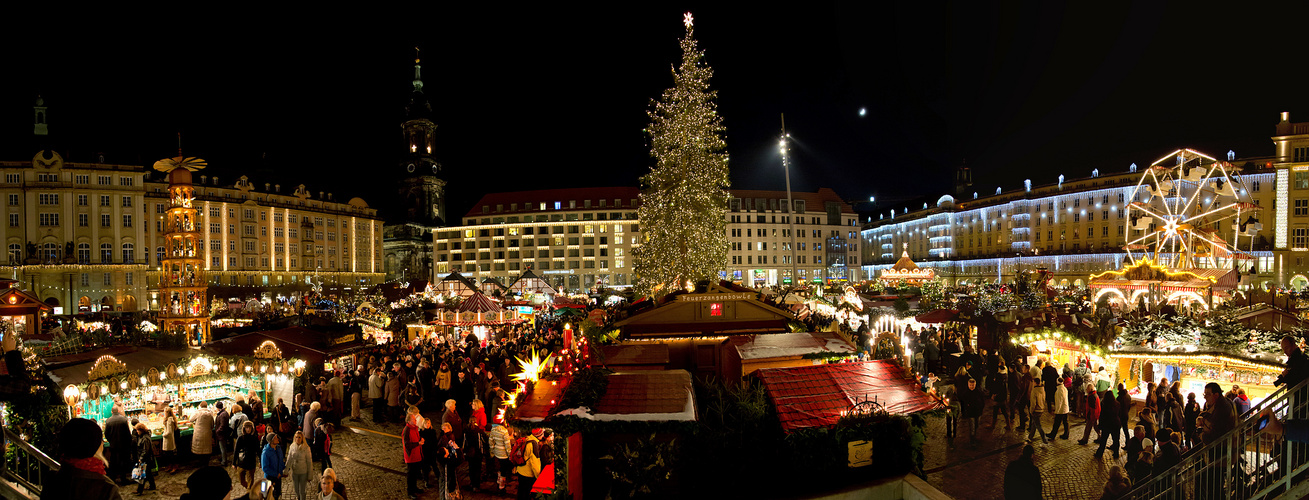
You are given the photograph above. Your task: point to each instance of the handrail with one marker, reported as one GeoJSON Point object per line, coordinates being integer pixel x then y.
{"type": "Point", "coordinates": [27, 465]}
{"type": "Point", "coordinates": [1245, 463]}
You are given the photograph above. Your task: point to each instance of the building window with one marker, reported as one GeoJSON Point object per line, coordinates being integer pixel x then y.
{"type": "Point", "coordinates": [106, 253]}
{"type": "Point", "coordinates": [1302, 206]}
{"type": "Point", "coordinates": [1299, 239]}
{"type": "Point", "coordinates": [84, 254]}
{"type": "Point", "coordinates": [13, 178]}
{"type": "Point", "coordinates": [50, 219]}
{"type": "Point", "coordinates": [15, 253]}
{"type": "Point", "coordinates": [159, 254]}
{"type": "Point", "coordinates": [48, 198]}
{"type": "Point", "coordinates": [129, 253]}
{"type": "Point", "coordinates": [1302, 180]}
{"type": "Point", "coordinates": [104, 200]}
{"type": "Point", "coordinates": [13, 220]}
{"type": "Point", "coordinates": [127, 221]}
{"type": "Point", "coordinates": [107, 279]}
{"type": "Point", "coordinates": [86, 279]}
{"type": "Point", "coordinates": [124, 181]}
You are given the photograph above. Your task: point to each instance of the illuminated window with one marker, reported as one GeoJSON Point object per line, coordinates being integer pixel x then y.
{"type": "Point", "coordinates": [716, 309]}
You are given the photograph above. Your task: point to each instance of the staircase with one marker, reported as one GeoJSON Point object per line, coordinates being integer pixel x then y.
{"type": "Point", "coordinates": [1246, 463]}
{"type": "Point", "coordinates": [24, 469]}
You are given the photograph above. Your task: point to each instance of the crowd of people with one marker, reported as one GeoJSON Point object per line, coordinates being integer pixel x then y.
{"type": "Point", "coordinates": [460, 381]}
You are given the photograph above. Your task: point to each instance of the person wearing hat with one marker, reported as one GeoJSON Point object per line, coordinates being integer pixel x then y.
{"type": "Point", "coordinates": [81, 444]}
{"type": "Point", "coordinates": [532, 467]}
{"type": "Point", "coordinates": [210, 482]}
{"type": "Point", "coordinates": [500, 443]}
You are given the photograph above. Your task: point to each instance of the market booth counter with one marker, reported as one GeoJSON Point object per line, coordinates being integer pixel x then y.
{"type": "Point", "coordinates": [1061, 348]}
{"type": "Point", "coordinates": [183, 384]}
{"type": "Point", "coordinates": [1195, 369]}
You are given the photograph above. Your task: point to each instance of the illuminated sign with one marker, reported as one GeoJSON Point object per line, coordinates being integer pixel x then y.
{"type": "Point", "coordinates": [717, 297]}
{"type": "Point", "coordinates": [716, 309]}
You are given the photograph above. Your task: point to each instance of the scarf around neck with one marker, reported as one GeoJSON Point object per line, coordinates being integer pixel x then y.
{"type": "Point", "coordinates": [89, 464]}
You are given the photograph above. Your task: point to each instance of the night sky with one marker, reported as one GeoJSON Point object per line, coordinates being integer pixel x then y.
{"type": "Point", "coordinates": [551, 96]}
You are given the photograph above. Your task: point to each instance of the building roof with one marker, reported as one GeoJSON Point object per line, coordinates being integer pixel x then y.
{"type": "Point", "coordinates": [905, 263]}
{"type": "Point", "coordinates": [784, 345]}
{"type": "Point", "coordinates": [647, 396]}
{"type": "Point", "coordinates": [816, 396]}
{"type": "Point", "coordinates": [529, 201]}
{"type": "Point", "coordinates": [479, 303]}
{"type": "Point", "coordinates": [813, 202]}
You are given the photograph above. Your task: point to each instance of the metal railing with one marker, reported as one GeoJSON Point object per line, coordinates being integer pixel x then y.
{"type": "Point", "coordinates": [25, 465]}
{"type": "Point", "coordinates": [1245, 463]}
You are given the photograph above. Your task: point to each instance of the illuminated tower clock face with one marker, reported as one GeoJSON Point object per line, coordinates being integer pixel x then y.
{"type": "Point", "coordinates": [410, 168]}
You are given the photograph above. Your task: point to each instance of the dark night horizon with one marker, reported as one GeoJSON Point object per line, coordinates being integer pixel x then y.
{"type": "Point", "coordinates": [556, 97]}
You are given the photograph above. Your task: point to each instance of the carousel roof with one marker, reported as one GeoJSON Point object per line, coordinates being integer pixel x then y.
{"type": "Point", "coordinates": [479, 303]}
{"type": "Point", "coordinates": [905, 263]}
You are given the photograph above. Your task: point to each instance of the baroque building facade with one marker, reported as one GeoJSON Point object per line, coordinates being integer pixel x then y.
{"type": "Point", "coordinates": [1077, 228]}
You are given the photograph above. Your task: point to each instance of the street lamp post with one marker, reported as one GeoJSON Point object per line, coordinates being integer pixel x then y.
{"type": "Point", "coordinates": [790, 204]}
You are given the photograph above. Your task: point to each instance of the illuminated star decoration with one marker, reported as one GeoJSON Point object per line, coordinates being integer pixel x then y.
{"type": "Point", "coordinates": [687, 20]}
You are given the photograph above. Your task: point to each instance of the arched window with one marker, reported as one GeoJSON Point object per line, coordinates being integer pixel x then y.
{"type": "Point", "coordinates": [15, 253]}
{"type": "Point", "coordinates": [83, 253]}
{"type": "Point", "coordinates": [129, 253]}
{"type": "Point", "coordinates": [106, 253]}
{"type": "Point", "coordinates": [50, 252]}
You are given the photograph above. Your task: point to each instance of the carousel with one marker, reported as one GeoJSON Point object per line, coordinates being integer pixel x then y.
{"type": "Point", "coordinates": [477, 314]}
{"type": "Point", "coordinates": [906, 272]}
{"type": "Point", "coordinates": [144, 392]}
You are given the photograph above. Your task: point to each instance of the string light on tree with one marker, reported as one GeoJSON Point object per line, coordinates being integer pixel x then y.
{"type": "Point", "coordinates": [682, 198]}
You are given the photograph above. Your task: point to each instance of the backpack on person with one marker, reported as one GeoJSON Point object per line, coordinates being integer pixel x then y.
{"type": "Point", "coordinates": [518, 455]}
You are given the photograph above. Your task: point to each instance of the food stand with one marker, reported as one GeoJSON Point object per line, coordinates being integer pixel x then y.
{"type": "Point", "coordinates": [144, 394]}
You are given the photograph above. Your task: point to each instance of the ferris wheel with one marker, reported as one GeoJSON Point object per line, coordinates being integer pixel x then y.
{"type": "Point", "coordinates": [1190, 210]}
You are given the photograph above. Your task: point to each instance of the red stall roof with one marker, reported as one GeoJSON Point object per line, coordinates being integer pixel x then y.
{"type": "Point", "coordinates": [815, 396]}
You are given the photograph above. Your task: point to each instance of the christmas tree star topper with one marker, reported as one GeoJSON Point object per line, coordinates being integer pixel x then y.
{"type": "Point", "coordinates": [687, 20]}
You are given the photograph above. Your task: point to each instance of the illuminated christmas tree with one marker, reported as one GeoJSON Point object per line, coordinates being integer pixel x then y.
{"type": "Point", "coordinates": [683, 196]}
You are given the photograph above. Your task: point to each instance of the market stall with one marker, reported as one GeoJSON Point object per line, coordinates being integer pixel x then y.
{"type": "Point", "coordinates": [1195, 369]}
{"type": "Point", "coordinates": [1060, 348]}
{"type": "Point", "coordinates": [145, 392]}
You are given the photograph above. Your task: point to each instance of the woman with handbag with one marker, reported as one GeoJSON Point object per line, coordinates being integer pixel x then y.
{"type": "Point", "coordinates": [246, 455]}
{"type": "Point", "coordinates": [145, 458]}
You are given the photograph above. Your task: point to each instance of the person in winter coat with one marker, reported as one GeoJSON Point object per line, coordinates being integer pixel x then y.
{"type": "Point", "coordinates": [1118, 483]}
{"type": "Point", "coordinates": [443, 380]}
{"type": "Point", "coordinates": [377, 394]}
{"type": "Point", "coordinates": [323, 441]}
{"type": "Point", "coordinates": [283, 423]}
{"type": "Point", "coordinates": [449, 459]}
{"type": "Point", "coordinates": [1049, 378]}
{"type": "Point", "coordinates": [245, 454]}
{"type": "Point", "coordinates": [310, 417]}
{"type": "Point", "coordinates": [413, 450]}
{"type": "Point", "coordinates": [393, 390]}
{"type": "Point", "coordinates": [1060, 410]}
{"type": "Point", "coordinates": [122, 445]}
{"type": "Point", "coordinates": [1191, 414]}
{"type": "Point", "coordinates": [1124, 409]}
{"type": "Point", "coordinates": [1092, 412]}
{"type": "Point", "coordinates": [272, 463]}
{"type": "Point", "coordinates": [973, 402]}
{"type": "Point", "coordinates": [169, 442]}
{"type": "Point", "coordinates": [475, 443]}
{"type": "Point", "coordinates": [202, 434]}
{"type": "Point", "coordinates": [1109, 424]}
{"type": "Point", "coordinates": [1021, 394]}
{"type": "Point", "coordinates": [145, 454]}
{"type": "Point", "coordinates": [1297, 364]}
{"type": "Point", "coordinates": [1037, 406]}
{"type": "Point", "coordinates": [223, 433]}
{"type": "Point", "coordinates": [256, 410]}
{"type": "Point", "coordinates": [500, 441]}
{"type": "Point", "coordinates": [1000, 391]}
{"type": "Point", "coordinates": [451, 416]}
{"type": "Point", "coordinates": [1022, 479]}
{"type": "Point", "coordinates": [82, 472]}
{"type": "Point", "coordinates": [299, 460]}
{"type": "Point", "coordinates": [531, 468]}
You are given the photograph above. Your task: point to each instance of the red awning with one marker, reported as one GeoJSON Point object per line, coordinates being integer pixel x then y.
{"type": "Point", "coordinates": [937, 316]}
{"type": "Point", "coordinates": [816, 396]}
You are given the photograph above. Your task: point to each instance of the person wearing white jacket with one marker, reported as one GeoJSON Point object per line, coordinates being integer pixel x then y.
{"type": "Point", "coordinates": [1060, 410]}
{"type": "Point", "coordinates": [300, 462]}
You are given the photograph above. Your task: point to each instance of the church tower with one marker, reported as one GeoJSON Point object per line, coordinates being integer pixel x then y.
{"type": "Point", "coordinates": [421, 192]}
{"type": "Point", "coordinates": [39, 126]}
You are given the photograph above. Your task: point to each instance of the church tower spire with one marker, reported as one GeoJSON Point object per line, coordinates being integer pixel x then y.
{"type": "Point", "coordinates": [39, 126]}
{"type": "Point", "coordinates": [423, 192]}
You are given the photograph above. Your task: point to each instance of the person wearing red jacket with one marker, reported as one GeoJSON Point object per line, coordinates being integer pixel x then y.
{"type": "Point", "coordinates": [413, 449]}
{"type": "Point", "coordinates": [1092, 405]}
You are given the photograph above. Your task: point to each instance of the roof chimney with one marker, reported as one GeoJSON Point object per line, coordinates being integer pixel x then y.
{"type": "Point", "coordinates": [1286, 116]}
{"type": "Point", "coordinates": [1284, 127]}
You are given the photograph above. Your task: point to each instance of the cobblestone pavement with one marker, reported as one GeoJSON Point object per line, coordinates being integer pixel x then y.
{"type": "Point", "coordinates": [1068, 469]}
{"type": "Point", "coordinates": [366, 456]}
